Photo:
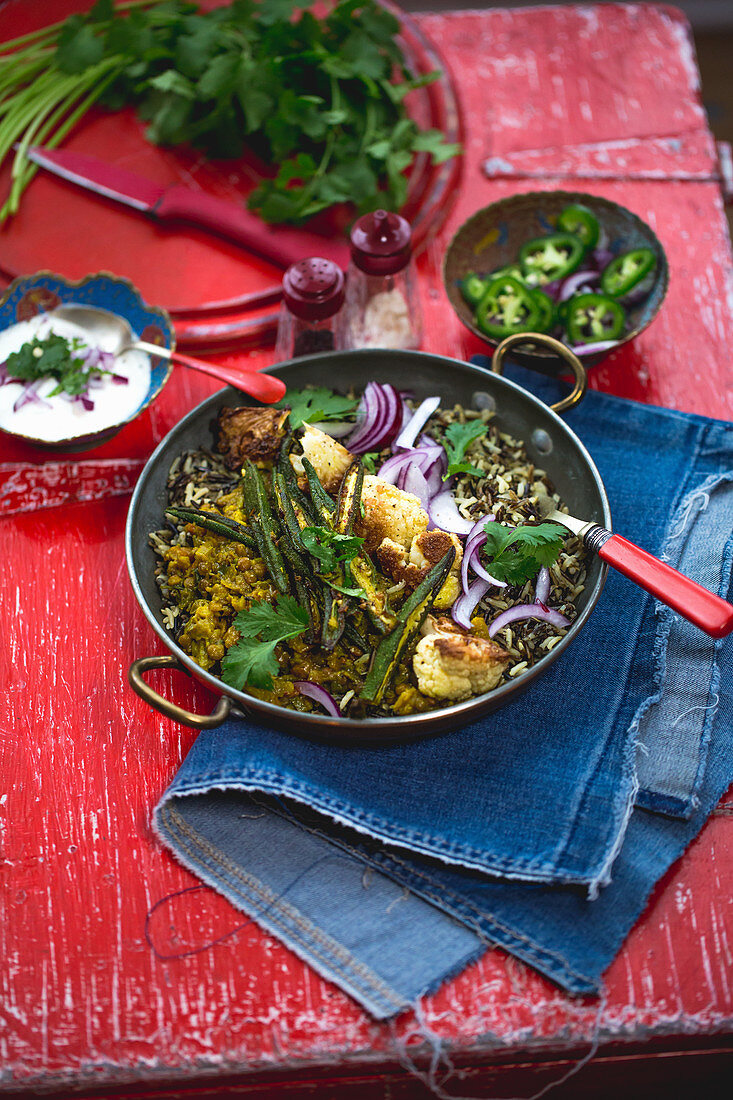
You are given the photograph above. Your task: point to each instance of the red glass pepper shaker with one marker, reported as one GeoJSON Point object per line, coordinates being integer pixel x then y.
{"type": "Point", "coordinates": [382, 304]}
{"type": "Point", "coordinates": [313, 294]}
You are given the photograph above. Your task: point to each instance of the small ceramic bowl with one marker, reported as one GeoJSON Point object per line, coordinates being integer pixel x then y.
{"type": "Point", "coordinates": [493, 236]}
{"type": "Point", "coordinates": [30, 295]}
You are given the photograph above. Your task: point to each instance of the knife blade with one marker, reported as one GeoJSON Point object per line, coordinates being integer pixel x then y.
{"type": "Point", "coordinates": [281, 245]}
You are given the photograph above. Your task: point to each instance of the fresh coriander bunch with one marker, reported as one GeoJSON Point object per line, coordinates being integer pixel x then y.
{"type": "Point", "coordinates": [319, 98]}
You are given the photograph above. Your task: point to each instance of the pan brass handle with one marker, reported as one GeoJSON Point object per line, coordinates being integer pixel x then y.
{"type": "Point", "coordinates": [164, 706]}
{"type": "Point", "coordinates": [581, 378]}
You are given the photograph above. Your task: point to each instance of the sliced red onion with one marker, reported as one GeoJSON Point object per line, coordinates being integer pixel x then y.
{"type": "Point", "coordinates": [337, 429]}
{"type": "Point", "coordinates": [417, 421]}
{"type": "Point", "coordinates": [527, 611]}
{"type": "Point", "coordinates": [472, 560]}
{"type": "Point", "coordinates": [369, 418]}
{"type": "Point", "coordinates": [601, 257]}
{"type": "Point", "coordinates": [87, 402]}
{"type": "Point", "coordinates": [470, 555]}
{"type": "Point", "coordinates": [406, 412]}
{"type": "Point", "coordinates": [444, 513]}
{"type": "Point", "coordinates": [426, 458]}
{"type": "Point", "coordinates": [577, 283]}
{"type": "Point", "coordinates": [414, 482]}
{"type": "Point", "coordinates": [119, 379]}
{"type": "Point", "coordinates": [466, 604]}
{"type": "Point", "coordinates": [3, 373]}
{"type": "Point", "coordinates": [592, 349]}
{"type": "Point", "coordinates": [483, 573]}
{"type": "Point", "coordinates": [474, 541]}
{"type": "Point", "coordinates": [552, 289]}
{"type": "Point", "coordinates": [478, 527]}
{"type": "Point", "coordinates": [542, 585]}
{"type": "Point", "coordinates": [401, 480]}
{"type": "Point", "coordinates": [378, 418]}
{"type": "Point", "coordinates": [29, 396]}
{"type": "Point", "coordinates": [434, 449]}
{"type": "Point", "coordinates": [393, 467]}
{"type": "Point", "coordinates": [319, 695]}
{"type": "Point", "coordinates": [434, 476]}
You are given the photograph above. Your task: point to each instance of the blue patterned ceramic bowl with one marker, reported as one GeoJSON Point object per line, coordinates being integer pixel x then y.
{"type": "Point", "coordinates": [43, 292]}
{"type": "Point", "coordinates": [492, 237]}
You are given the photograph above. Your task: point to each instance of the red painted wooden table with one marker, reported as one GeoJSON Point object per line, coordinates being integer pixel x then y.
{"type": "Point", "coordinates": [604, 99]}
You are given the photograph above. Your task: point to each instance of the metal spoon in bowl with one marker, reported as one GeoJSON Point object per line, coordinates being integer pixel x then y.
{"type": "Point", "coordinates": [695, 603]}
{"type": "Point", "coordinates": [112, 333]}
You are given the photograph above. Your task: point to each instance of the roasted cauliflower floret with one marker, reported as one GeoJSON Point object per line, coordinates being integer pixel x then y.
{"type": "Point", "coordinates": [450, 663]}
{"type": "Point", "coordinates": [393, 523]}
{"type": "Point", "coordinates": [253, 433]}
{"type": "Point", "coordinates": [389, 513]}
{"type": "Point", "coordinates": [328, 457]}
{"type": "Point", "coordinates": [431, 546]}
{"type": "Point", "coordinates": [426, 549]}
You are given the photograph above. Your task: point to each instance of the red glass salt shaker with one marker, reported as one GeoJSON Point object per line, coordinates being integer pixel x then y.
{"type": "Point", "coordinates": [382, 307]}
{"type": "Point", "coordinates": [313, 294]}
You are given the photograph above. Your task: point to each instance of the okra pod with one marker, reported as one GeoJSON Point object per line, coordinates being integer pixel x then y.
{"type": "Point", "coordinates": [410, 618]}
{"type": "Point", "coordinates": [349, 498]}
{"type": "Point", "coordinates": [363, 574]}
{"type": "Point", "coordinates": [300, 501]}
{"type": "Point", "coordinates": [334, 617]}
{"type": "Point", "coordinates": [219, 525]}
{"type": "Point", "coordinates": [322, 502]}
{"type": "Point", "coordinates": [291, 542]}
{"type": "Point", "coordinates": [303, 576]}
{"type": "Point", "coordinates": [263, 526]}
{"type": "Point", "coordinates": [354, 637]}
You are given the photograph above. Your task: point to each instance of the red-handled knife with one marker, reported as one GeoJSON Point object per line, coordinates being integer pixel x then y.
{"type": "Point", "coordinates": [281, 245]}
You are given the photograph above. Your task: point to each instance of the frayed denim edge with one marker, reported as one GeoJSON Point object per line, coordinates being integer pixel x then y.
{"type": "Point", "coordinates": [629, 772]}
{"type": "Point", "coordinates": [602, 877]}
{"type": "Point", "coordinates": [272, 783]}
{"type": "Point", "coordinates": [666, 618]}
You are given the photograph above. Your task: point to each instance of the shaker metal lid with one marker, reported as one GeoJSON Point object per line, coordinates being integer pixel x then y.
{"type": "Point", "coordinates": [313, 289]}
{"type": "Point", "coordinates": [381, 243]}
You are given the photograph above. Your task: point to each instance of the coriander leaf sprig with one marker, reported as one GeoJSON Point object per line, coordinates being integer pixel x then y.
{"type": "Point", "coordinates": [252, 659]}
{"type": "Point", "coordinates": [457, 439]}
{"type": "Point", "coordinates": [330, 548]}
{"type": "Point", "coordinates": [516, 554]}
{"type": "Point", "coordinates": [71, 363]}
{"type": "Point", "coordinates": [322, 98]}
{"type": "Point", "coordinates": [315, 404]}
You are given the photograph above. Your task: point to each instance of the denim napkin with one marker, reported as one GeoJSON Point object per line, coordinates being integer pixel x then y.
{"type": "Point", "coordinates": [542, 827]}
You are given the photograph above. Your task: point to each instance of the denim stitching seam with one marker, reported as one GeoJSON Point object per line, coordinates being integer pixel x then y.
{"type": "Point", "coordinates": [438, 895]}
{"type": "Point", "coordinates": [330, 952]}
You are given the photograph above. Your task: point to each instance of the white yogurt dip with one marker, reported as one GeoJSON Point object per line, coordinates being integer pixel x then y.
{"type": "Point", "coordinates": [58, 418]}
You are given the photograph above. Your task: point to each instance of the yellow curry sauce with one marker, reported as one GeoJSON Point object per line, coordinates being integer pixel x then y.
{"type": "Point", "coordinates": [213, 578]}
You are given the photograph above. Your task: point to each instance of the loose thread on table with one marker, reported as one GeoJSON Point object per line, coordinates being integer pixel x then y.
{"type": "Point", "coordinates": [438, 1048]}
{"type": "Point", "coordinates": [233, 931]}
{"type": "Point", "coordinates": [439, 1054]}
